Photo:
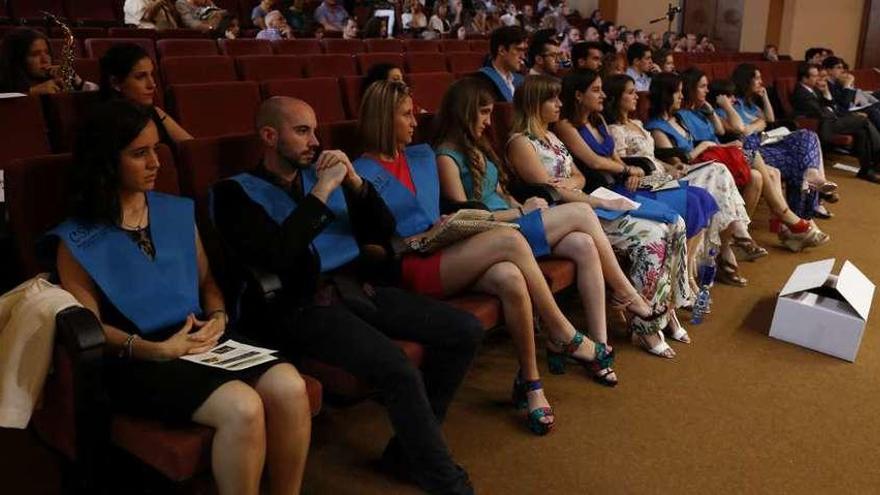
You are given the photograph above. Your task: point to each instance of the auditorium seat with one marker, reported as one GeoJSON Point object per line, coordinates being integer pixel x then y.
{"type": "Point", "coordinates": [485, 308]}
{"type": "Point", "coordinates": [182, 34]}
{"type": "Point", "coordinates": [342, 135]}
{"type": "Point", "coordinates": [346, 47]}
{"type": "Point", "coordinates": [458, 62]}
{"type": "Point", "coordinates": [63, 113]}
{"type": "Point", "coordinates": [351, 94]}
{"type": "Point", "coordinates": [131, 32]}
{"type": "Point", "coordinates": [235, 48]}
{"type": "Point", "coordinates": [26, 134]}
{"type": "Point", "coordinates": [5, 18]}
{"type": "Point", "coordinates": [784, 89]}
{"type": "Point", "coordinates": [330, 65]}
{"type": "Point", "coordinates": [480, 46]}
{"type": "Point", "coordinates": [643, 106]}
{"type": "Point", "coordinates": [186, 48]}
{"type": "Point", "coordinates": [57, 47]}
{"type": "Point", "coordinates": [187, 70]}
{"type": "Point", "coordinates": [428, 88]}
{"type": "Point", "coordinates": [79, 32]}
{"type": "Point", "coordinates": [455, 45]}
{"type": "Point", "coordinates": [297, 47]}
{"type": "Point", "coordinates": [417, 45]}
{"type": "Point", "coordinates": [72, 392]}
{"type": "Point", "coordinates": [30, 11]}
{"type": "Point", "coordinates": [96, 47]}
{"type": "Point", "coordinates": [382, 45]}
{"type": "Point", "coordinates": [215, 109]}
{"type": "Point", "coordinates": [92, 12]}
{"type": "Point", "coordinates": [88, 68]}
{"type": "Point", "coordinates": [502, 122]}
{"type": "Point", "coordinates": [266, 67]}
{"type": "Point", "coordinates": [322, 93]}
{"type": "Point", "coordinates": [423, 62]}
{"type": "Point", "coordinates": [367, 60]}
{"type": "Point", "coordinates": [867, 79]}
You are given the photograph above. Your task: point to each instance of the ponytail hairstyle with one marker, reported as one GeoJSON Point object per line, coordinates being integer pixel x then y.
{"type": "Point", "coordinates": [458, 114]}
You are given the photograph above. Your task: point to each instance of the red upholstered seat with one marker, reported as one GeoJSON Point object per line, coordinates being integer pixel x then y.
{"type": "Point", "coordinates": [92, 12]}
{"type": "Point", "coordinates": [425, 62]}
{"type": "Point", "coordinates": [428, 88]}
{"type": "Point", "coordinates": [351, 94]}
{"type": "Point", "coordinates": [382, 45]}
{"type": "Point", "coordinates": [341, 383]}
{"type": "Point", "coordinates": [79, 32]}
{"type": "Point", "coordinates": [340, 135]}
{"type": "Point", "coordinates": [181, 34]}
{"type": "Point", "coordinates": [186, 48]}
{"type": "Point", "coordinates": [559, 273]}
{"type": "Point", "coordinates": [186, 70]}
{"type": "Point", "coordinates": [205, 161]}
{"type": "Point", "coordinates": [57, 45]}
{"type": "Point", "coordinates": [455, 45]}
{"type": "Point", "coordinates": [784, 89]}
{"type": "Point", "coordinates": [367, 60]}
{"type": "Point", "coordinates": [266, 67]}
{"type": "Point", "coordinates": [502, 122]}
{"type": "Point", "coordinates": [479, 46]}
{"type": "Point", "coordinates": [234, 48]}
{"type": "Point", "coordinates": [64, 111]}
{"type": "Point", "coordinates": [485, 308]}
{"type": "Point", "coordinates": [31, 10]}
{"type": "Point", "coordinates": [417, 45]}
{"type": "Point", "coordinates": [322, 93]}
{"type": "Point", "coordinates": [23, 129]}
{"type": "Point", "coordinates": [216, 109]}
{"type": "Point", "coordinates": [643, 106]}
{"type": "Point", "coordinates": [130, 32]}
{"type": "Point", "coordinates": [458, 62]}
{"type": "Point", "coordinates": [96, 47]}
{"type": "Point", "coordinates": [88, 68]}
{"type": "Point", "coordinates": [345, 47]}
{"type": "Point", "coordinates": [297, 47]}
{"type": "Point", "coordinates": [330, 65]}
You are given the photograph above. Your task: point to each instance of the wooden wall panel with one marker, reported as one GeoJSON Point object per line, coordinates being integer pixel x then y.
{"type": "Point", "coordinates": [720, 19]}
{"type": "Point", "coordinates": [869, 54]}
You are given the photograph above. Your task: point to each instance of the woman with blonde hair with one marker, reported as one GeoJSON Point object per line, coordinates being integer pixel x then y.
{"type": "Point", "coordinates": [498, 262]}
{"type": "Point", "coordinates": [656, 251]}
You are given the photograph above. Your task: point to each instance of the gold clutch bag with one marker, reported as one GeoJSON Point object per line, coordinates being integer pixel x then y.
{"type": "Point", "coordinates": [461, 225]}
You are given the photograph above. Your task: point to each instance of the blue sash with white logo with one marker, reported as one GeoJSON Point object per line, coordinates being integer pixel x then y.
{"type": "Point", "coordinates": [501, 83]}
{"type": "Point", "coordinates": [413, 213]}
{"type": "Point", "coordinates": [152, 294]}
{"type": "Point", "coordinates": [336, 244]}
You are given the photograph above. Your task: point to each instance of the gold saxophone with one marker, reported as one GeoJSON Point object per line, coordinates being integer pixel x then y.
{"type": "Point", "coordinates": [65, 70]}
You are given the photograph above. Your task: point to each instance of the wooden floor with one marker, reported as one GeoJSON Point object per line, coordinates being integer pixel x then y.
{"type": "Point", "coordinates": [735, 412]}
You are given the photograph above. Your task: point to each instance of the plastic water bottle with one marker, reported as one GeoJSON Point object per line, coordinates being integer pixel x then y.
{"type": "Point", "coordinates": [706, 276]}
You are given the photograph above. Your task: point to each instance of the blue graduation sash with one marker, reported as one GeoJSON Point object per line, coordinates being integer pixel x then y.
{"type": "Point", "coordinates": [700, 127]}
{"type": "Point", "coordinates": [500, 83]}
{"type": "Point", "coordinates": [679, 141]}
{"type": "Point", "coordinates": [153, 295]}
{"type": "Point", "coordinates": [413, 213]}
{"type": "Point", "coordinates": [336, 244]}
{"type": "Point", "coordinates": [531, 226]}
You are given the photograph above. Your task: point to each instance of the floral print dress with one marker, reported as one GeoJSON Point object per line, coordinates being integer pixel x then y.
{"type": "Point", "coordinates": [655, 253]}
{"type": "Point", "coordinates": [715, 178]}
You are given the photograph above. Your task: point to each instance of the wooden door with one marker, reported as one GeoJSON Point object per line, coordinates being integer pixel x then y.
{"type": "Point", "coordinates": [720, 19]}
{"type": "Point", "coordinates": [869, 55]}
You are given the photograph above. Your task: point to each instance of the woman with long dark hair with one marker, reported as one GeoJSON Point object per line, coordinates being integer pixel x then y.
{"type": "Point", "coordinates": [26, 65]}
{"type": "Point", "coordinates": [729, 226]}
{"type": "Point", "coordinates": [135, 259]}
{"type": "Point", "coordinates": [656, 251]}
{"type": "Point", "coordinates": [670, 129]}
{"type": "Point", "coordinates": [498, 261]}
{"type": "Point", "coordinates": [128, 72]}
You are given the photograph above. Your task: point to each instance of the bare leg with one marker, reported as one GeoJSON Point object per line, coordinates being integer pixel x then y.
{"type": "Point", "coordinates": [693, 246]}
{"type": "Point", "coordinates": [752, 192]}
{"type": "Point", "coordinates": [289, 427]}
{"type": "Point", "coordinates": [773, 192]}
{"type": "Point", "coordinates": [238, 451]}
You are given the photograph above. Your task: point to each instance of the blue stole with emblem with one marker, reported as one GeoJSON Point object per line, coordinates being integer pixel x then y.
{"type": "Point", "coordinates": [336, 244]}
{"type": "Point", "coordinates": [501, 83]}
{"type": "Point", "coordinates": [698, 125]}
{"type": "Point", "coordinates": [685, 143]}
{"type": "Point", "coordinates": [413, 213]}
{"type": "Point", "coordinates": [152, 294]}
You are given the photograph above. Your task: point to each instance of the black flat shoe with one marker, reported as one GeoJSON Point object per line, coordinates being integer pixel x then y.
{"type": "Point", "coordinates": [869, 176]}
{"type": "Point", "coordinates": [822, 213]}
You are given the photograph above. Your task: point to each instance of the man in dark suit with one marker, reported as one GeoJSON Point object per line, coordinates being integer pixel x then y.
{"type": "Point", "coordinates": [842, 85]}
{"type": "Point", "coordinates": [812, 98]}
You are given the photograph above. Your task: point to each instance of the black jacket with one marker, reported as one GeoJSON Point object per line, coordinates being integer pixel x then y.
{"type": "Point", "coordinates": [811, 104]}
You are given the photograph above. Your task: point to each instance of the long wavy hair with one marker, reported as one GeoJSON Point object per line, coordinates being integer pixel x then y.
{"type": "Point", "coordinates": [614, 88]}
{"type": "Point", "coordinates": [17, 43]}
{"type": "Point", "coordinates": [527, 102]}
{"type": "Point", "coordinates": [663, 89]}
{"type": "Point", "coordinates": [578, 81]}
{"type": "Point", "coordinates": [458, 113]}
{"type": "Point", "coordinates": [376, 122]}
{"type": "Point", "coordinates": [690, 80]}
{"type": "Point", "coordinates": [95, 176]}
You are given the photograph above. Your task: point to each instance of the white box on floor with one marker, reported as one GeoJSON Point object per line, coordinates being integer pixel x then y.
{"type": "Point", "coordinates": [822, 311]}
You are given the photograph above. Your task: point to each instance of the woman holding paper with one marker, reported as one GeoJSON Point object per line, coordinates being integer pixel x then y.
{"type": "Point", "coordinates": [497, 261]}
{"type": "Point", "coordinates": [134, 258]}
{"type": "Point", "coordinates": [656, 251]}
{"type": "Point", "coordinates": [729, 226]}
{"type": "Point", "coordinates": [467, 169]}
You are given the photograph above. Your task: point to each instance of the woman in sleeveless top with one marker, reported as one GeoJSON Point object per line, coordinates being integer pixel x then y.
{"type": "Point", "coordinates": [669, 131]}
{"type": "Point", "coordinates": [729, 226]}
{"type": "Point", "coordinates": [127, 72]}
{"type": "Point", "coordinates": [656, 251]}
{"type": "Point", "coordinates": [798, 156]}
{"type": "Point", "coordinates": [468, 172]}
{"type": "Point", "coordinates": [497, 262]}
{"type": "Point", "coordinates": [158, 302]}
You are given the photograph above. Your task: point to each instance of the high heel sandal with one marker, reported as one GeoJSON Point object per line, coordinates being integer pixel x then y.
{"type": "Point", "coordinates": [600, 366]}
{"type": "Point", "coordinates": [622, 304]}
{"type": "Point", "coordinates": [678, 333]}
{"type": "Point", "coordinates": [521, 389]}
{"type": "Point", "coordinates": [659, 350]}
{"type": "Point", "coordinates": [796, 242]}
{"type": "Point", "coordinates": [748, 247]}
{"type": "Point", "coordinates": [728, 273]}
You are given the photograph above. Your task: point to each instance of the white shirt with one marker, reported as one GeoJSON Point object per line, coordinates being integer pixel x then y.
{"type": "Point", "coordinates": [134, 13]}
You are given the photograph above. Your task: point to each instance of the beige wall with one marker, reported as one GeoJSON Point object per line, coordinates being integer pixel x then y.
{"type": "Point", "coordinates": [585, 7]}
{"type": "Point", "coordinates": [833, 24]}
{"type": "Point", "coordinates": [754, 28]}
{"type": "Point", "coordinates": [635, 14]}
